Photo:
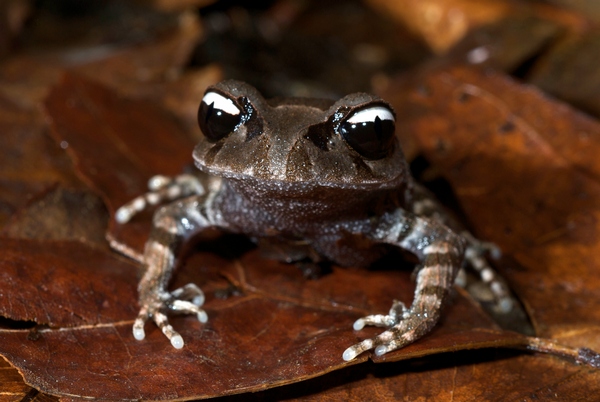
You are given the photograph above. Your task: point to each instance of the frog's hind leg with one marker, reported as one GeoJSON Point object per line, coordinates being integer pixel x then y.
{"type": "Point", "coordinates": [162, 188]}
{"type": "Point", "coordinates": [475, 258]}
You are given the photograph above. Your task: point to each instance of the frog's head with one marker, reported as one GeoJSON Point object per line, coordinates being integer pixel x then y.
{"type": "Point", "coordinates": [350, 143]}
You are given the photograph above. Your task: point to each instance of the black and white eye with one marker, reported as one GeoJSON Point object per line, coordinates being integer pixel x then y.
{"type": "Point", "coordinates": [370, 131]}
{"type": "Point", "coordinates": [218, 116]}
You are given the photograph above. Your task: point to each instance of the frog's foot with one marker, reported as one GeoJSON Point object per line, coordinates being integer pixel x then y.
{"type": "Point", "coordinates": [475, 258]}
{"type": "Point", "coordinates": [185, 300]}
{"type": "Point", "coordinates": [404, 327]}
{"type": "Point", "coordinates": [162, 188]}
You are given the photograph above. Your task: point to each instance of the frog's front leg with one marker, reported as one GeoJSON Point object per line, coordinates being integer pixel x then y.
{"type": "Point", "coordinates": [162, 188]}
{"type": "Point", "coordinates": [440, 252]}
{"type": "Point", "coordinates": [172, 225]}
{"type": "Point", "coordinates": [425, 204]}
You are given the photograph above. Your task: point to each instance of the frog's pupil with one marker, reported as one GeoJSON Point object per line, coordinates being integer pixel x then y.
{"type": "Point", "coordinates": [378, 128]}
{"type": "Point", "coordinates": [209, 112]}
{"type": "Point", "coordinates": [216, 123]}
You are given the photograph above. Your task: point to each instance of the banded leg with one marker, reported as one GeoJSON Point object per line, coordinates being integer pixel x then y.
{"type": "Point", "coordinates": [162, 188]}
{"type": "Point", "coordinates": [474, 256]}
{"type": "Point", "coordinates": [426, 205]}
{"type": "Point", "coordinates": [172, 225]}
{"type": "Point", "coordinates": [440, 251]}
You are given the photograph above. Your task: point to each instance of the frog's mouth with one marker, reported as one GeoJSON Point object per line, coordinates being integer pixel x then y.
{"type": "Point", "coordinates": [302, 167]}
{"type": "Point", "coordinates": [276, 185]}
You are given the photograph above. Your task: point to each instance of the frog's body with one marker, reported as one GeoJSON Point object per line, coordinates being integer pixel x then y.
{"type": "Point", "coordinates": [321, 180]}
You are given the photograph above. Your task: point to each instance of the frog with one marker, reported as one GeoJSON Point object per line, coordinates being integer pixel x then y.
{"type": "Point", "coordinates": [323, 180]}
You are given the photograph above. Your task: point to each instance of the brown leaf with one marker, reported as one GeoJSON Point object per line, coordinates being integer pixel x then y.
{"type": "Point", "coordinates": [442, 23]}
{"type": "Point", "coordinates": [282, 329]}
{"type": "Point", "coordinates": [589, 8]}
{"type": "Point", "coordinates": [265, 338]}
{"type": "Point", "coordinates": [507, 148]}
{"type": "Point", "coordinates": [31, 162]}
{"type": "Point", "coordinates": [13, 387]}
{"type": "Point", "coordinates": [13, 14]}
{"type": "Point", "coordinates": [524, 167]}
{"type": "Point", "coordinates": [463, 326]}
{"type": "Point", "coordinates": [484, 375]}
{"type": "Point", "coordinates": [506, 44]}
{"type": "Point", "coordinates": [64, 284]}
{"type": "Point", "coordinates": [90, 119]}
{"type": "Point", "coordinates": [133, 69]}
{"type": "Point", "coordinates": [144, 69]}
{"type": "Point", "coordinates": [567, 71]}
{"type": "Point", "coordinates": [61, 214]}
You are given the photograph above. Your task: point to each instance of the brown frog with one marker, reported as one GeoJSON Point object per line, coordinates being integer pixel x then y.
{"type": "Point", "coordinates": [324, 181]}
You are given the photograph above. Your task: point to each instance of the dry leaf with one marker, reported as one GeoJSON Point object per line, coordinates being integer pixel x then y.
{"type": "Point", "coordinates": [442, 23]}
{"type": "Point", "coordinates": [524, 168]}
{"type": "Point", "coordinates": [282, 328]}
{"type": "Point", "coordinates": [507, 148]}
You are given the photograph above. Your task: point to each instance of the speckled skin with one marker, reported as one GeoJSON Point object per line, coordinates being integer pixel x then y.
{"type": "Point", "coordinates": [286, 175]}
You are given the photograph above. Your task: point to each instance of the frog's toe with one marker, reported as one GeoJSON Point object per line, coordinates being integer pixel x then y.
{"type": "Point", "coordinates": [355, 350]}
{"type": "Point", "coordinates": [397, 312]}
{"type": "Point", "coordinates": [167, 329]}
{"type": "Point", "coordinates": [138, 325]}
{"type": "Point", "coordinates": [161, 321]}
{"type": "Point", "coordinates": [190, 292]}
{"type": "Point", "coordinates": [394, 338]}
{"type": "Point", "coordinates": [186, 307]}
{"type": "Point", "coordinates": [377, 320]}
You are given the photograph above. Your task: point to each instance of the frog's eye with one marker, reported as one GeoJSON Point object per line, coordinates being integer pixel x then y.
{"type": "Point", "coordinates": [218, 116]}
{"type": "Point", "coordinates": [370, 131]}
